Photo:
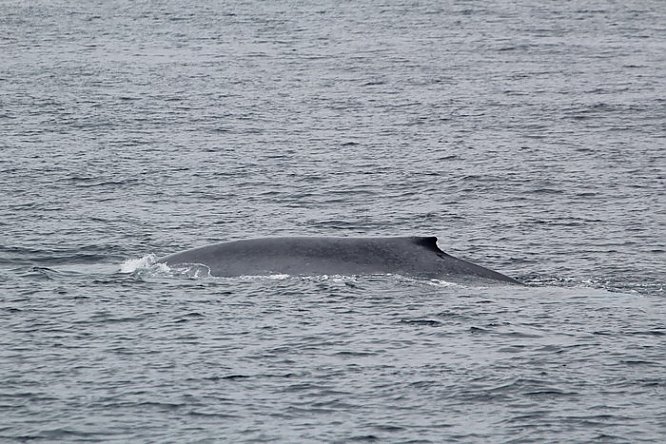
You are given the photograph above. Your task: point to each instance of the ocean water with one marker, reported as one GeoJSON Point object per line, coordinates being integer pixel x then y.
{"type": "Point", "coordinates": [530, 137]}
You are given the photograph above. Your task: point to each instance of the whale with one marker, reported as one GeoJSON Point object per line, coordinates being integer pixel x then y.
{"type": "Point", "coordinates": [414, 256]}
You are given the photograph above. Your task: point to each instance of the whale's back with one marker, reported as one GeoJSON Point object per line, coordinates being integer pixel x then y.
{"type": "Point", "coordinates": [408, 256]}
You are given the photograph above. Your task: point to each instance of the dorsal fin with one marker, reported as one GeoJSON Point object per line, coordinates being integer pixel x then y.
{"type": "Point", "coordinates": [429, 242]}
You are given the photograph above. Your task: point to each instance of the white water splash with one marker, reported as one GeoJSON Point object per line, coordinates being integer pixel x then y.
{"type": "Point", "coordinates": [441, 283]}
{"type": "Point", "coordinates": [192, 271]}
{"type": "Point", "coordinates": [131, 265]}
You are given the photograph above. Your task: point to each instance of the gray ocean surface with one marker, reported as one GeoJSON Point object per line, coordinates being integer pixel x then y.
{"type": "Point", "coordinates": [529, 137]}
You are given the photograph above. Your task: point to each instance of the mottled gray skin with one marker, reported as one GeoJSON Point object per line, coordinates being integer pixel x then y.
{"type": "Point", "coordinates": [310, 256]}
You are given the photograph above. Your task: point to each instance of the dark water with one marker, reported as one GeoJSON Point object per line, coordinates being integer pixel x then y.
{"type": "Point", "coordinates": [529, 137]}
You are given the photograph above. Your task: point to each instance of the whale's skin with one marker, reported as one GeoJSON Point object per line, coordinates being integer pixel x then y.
{"type": "Point", "coordinates": [418, 257]}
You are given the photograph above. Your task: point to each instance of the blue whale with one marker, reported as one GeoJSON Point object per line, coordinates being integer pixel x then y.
{"type": "Point", "coordinates": [417, 257]}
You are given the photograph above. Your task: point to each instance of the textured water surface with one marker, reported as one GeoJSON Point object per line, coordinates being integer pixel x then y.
{"type": "Point", "coordinates": [530, 138]}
